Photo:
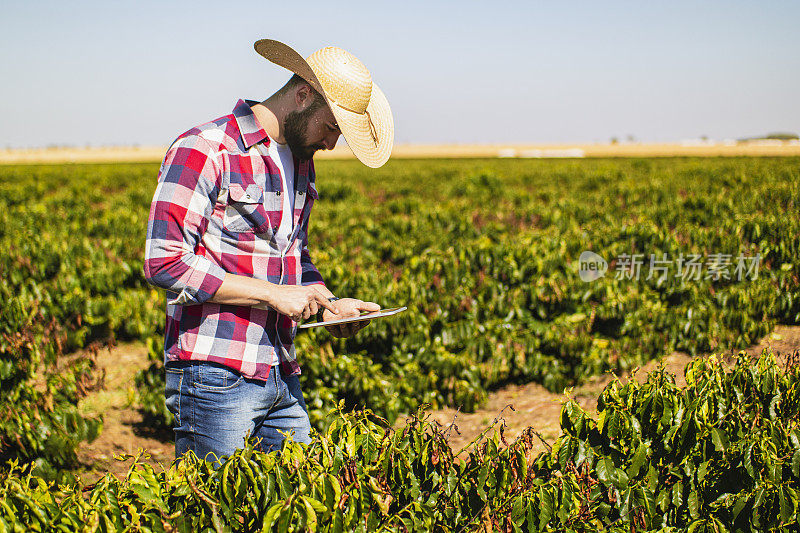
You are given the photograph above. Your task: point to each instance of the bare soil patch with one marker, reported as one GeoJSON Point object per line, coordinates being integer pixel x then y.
{"type": "Point", "coordinates": [124, 431]}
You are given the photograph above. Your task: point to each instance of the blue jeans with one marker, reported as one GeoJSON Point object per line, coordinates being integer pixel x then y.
{"type": "Point", "coordinates": [216, 407]}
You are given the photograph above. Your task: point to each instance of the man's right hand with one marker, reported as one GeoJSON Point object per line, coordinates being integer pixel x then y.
{"type": "Point", "coordinates": [299, 302]}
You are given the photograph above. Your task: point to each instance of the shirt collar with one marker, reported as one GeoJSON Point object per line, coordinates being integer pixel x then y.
{"type": "Point", "coordinates": [249, 127]}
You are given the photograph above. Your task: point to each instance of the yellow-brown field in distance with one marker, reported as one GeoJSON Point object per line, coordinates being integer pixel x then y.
{"type": "Point", "coordinates": [156, 153]}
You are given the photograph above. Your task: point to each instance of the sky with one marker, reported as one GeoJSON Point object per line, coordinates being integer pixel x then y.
{"type": "Point", "coordinates": [125, 73]}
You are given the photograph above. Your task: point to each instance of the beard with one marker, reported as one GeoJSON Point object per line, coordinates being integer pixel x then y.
{"type": "Point", "coordinates": [295, 126]}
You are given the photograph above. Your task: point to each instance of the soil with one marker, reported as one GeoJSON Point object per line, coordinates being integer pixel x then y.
{"type": "Point", "coordinates": [517, 406]}
{"type": "Point", "coordinates": [124, 431]}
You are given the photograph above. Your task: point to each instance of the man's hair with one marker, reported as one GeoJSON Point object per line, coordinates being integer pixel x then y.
{"type": "Point", "coordinates": [296, 80]}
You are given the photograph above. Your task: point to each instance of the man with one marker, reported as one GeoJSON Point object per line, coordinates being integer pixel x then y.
{"type": "Point", "coordinates": [227, 238]}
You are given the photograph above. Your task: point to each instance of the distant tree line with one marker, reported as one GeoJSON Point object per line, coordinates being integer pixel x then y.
{"type": "Point", "coordinates": [773, 137]}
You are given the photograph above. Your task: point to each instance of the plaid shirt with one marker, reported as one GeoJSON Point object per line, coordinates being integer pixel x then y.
{"type": "Point", "coordinates": [216, 209]}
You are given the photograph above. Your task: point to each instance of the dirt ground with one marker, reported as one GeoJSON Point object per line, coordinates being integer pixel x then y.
{"type": "Point", "coordinates": [125, 433]}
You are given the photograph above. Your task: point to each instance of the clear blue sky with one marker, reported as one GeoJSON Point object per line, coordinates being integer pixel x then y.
{"type": "Point", "coordinates": [465, 72]}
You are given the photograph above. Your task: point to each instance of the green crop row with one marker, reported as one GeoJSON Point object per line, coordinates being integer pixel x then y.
{"type": "Point", "coordinates": [484, 253]}
{"type": "Point", "coordinates": [486, 256]}
{"type": "Point", "coordinates": [721, 454]}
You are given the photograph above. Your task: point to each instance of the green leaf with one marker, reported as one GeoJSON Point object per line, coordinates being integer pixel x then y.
{"type": "Point", "coordinates": [271, 516]}
{"type": "Point", "coordinates": [310, 514]}
{"type": "Point", "coordinates": [285, 517]}
{"type": "Point", "coordinates": [796, 464]}
{"type": "Point", "coordinates": [787, 505]}
{"type": "Point", "coordinates": [677, 494]}
{"type": "Point", "coordinates": [451, 483]}
{"type": "Point", "coordinates": [605, 470]}
{"type": "Point", "coordinates": [741, 501]}
{"type": "Point", "coordinates": [638, 460]}
{"type": "Point", "coordinates": [624, 504]}
{"type": "Point", "coordinates": [564, 455]}
{"type": "Point", "coordinates": [663, 499]}
{"type": "Point", "coordinates": [283, 482]}
{"type": "Point", "coordinates": [483, 474]}
{"type": "Point", "coordinates": [775, 469]}
{"type": "Point", "coordinates": [546, 507]}
{"type": "Point", "coordinates": [620, 479]}
{"type": "Point", "coordinates": [719, 439]}
{"type": "Point", "coordinates": [793, 438]}
{"type": "Point", "coordinates": [693, 504]}
{"type": "Point", "coordinates": [702, 471]}
{"type": "Point", "coordinates": [773, 407]}
{"type": "Point", "coordinates": [719, 527]}
{"type": "Point", "coordinates": [759, 497]}
{"type": "Point", "coordinates": [646, 499]}
{"type": "Point", "coordinates": [338, 521]}
{"type": "Point", "coordinates": [748, 460]}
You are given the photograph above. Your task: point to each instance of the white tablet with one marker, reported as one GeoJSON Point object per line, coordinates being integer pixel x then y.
{"type": "Point", "coordinates": [365, 316]}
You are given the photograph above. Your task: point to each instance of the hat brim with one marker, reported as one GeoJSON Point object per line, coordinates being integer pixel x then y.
{"type": "Point", "coordinates": [371, 144]}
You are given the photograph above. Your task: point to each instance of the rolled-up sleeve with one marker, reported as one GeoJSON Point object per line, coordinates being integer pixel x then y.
{"type": "Point", "coordinates": [188, 185]}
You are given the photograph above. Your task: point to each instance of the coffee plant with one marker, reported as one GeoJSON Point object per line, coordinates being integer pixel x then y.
{"type": "Point", "coordinates": [720, 454]}
{"type": "Point", "coordinates": [484, 253]}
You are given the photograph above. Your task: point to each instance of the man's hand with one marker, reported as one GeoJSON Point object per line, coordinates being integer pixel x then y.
{"type": "Point", "coordinates": [349, 307]}
{"type": "Point", "coordinates": [300, 302]}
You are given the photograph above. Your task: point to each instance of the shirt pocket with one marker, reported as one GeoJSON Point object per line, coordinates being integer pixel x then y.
{"type": "Point", "coordinates": [245, 210]}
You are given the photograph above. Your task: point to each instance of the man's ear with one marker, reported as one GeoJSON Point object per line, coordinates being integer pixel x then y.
{"type": "Point", "coordinates": [303, 96]}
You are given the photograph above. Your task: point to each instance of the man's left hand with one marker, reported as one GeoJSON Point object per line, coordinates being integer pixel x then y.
{"type": "Point", "coordinates": [349, 307]}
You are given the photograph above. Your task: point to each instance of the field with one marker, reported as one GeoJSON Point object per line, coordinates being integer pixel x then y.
{"type": "Point", "coordinates": [117, 154]}
{"type": "Point", "coordinates": [701, 256]}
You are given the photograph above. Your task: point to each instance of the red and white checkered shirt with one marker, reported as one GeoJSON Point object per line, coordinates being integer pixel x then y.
{"type": "Point", "coordinates": [216, 209]}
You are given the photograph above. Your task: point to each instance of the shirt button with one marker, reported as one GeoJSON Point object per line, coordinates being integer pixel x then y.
{"type": "Point", "coordinates": [300, 192]}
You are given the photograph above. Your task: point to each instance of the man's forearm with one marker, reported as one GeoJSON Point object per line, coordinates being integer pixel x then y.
{"type": "Point", "coordinates": [244, 290]}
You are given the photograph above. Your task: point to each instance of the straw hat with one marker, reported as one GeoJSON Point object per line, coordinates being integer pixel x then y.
{"type": "Point", "coordinates": [361, 110]}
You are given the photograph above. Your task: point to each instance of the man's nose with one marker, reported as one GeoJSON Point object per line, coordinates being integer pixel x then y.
{"type": "Point", "coordinates": [330, 141]}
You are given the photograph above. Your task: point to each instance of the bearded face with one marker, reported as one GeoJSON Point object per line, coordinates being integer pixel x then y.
{"type": "Point", "coordinates": [296, 131]}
